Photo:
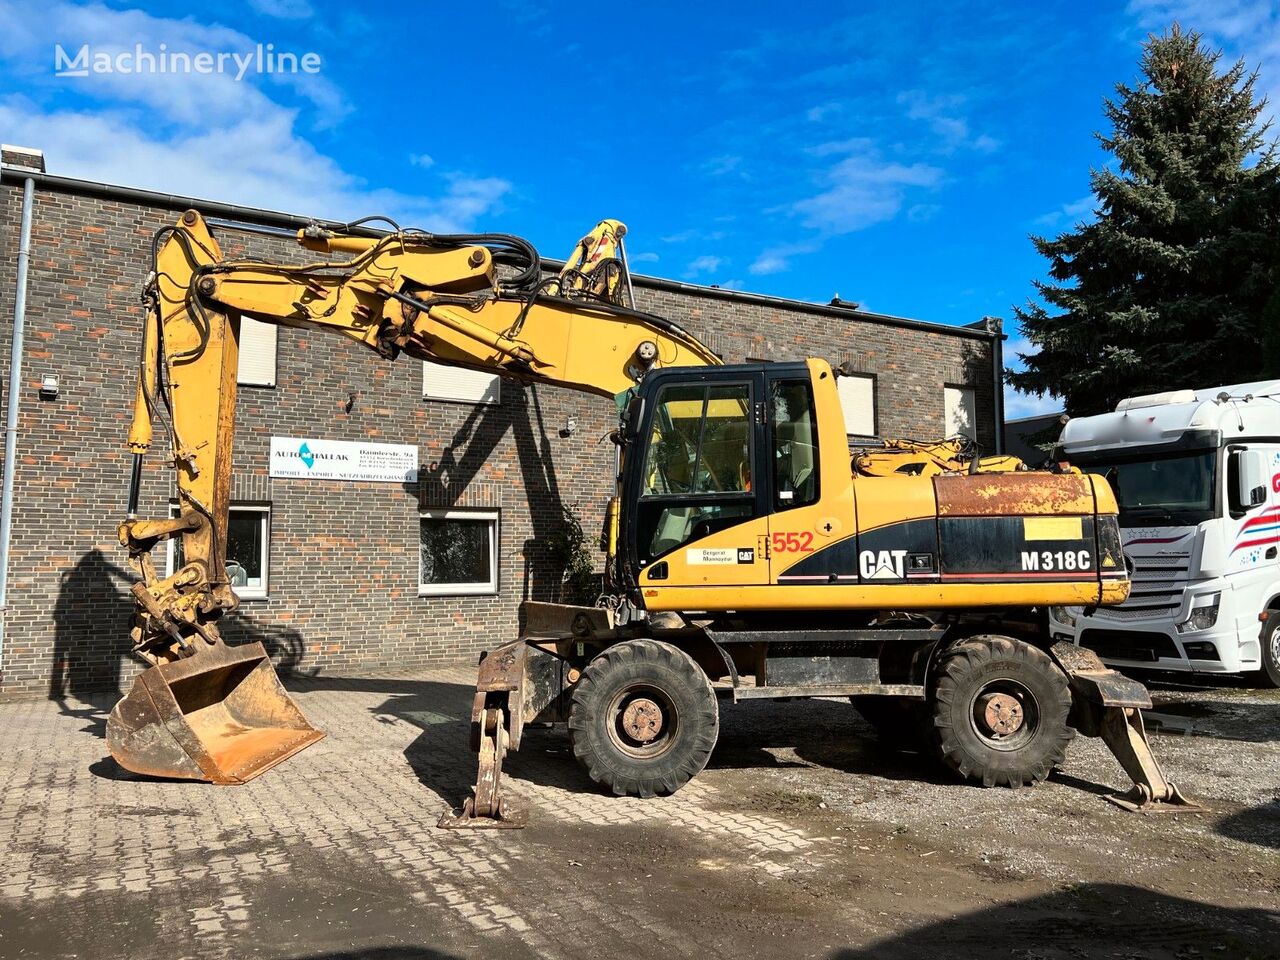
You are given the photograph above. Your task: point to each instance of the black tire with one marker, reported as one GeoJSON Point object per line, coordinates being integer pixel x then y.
{"type": "Point", "coordinates": [1000, 672]}
{"type": "Point", "coordinates": [1268, 678]}
{"type": "Point", "coordinates": [900, 723]}
{"type": "Point", "coordinates": [672, 697]}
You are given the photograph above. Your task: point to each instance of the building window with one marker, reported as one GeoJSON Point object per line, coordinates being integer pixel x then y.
{"type": "Point", "coordinates": [858, 402]}
{"type": "Point", "coordinates": [960, 412]}
{"type": "Point", "coordinates": [459, 385]}
{"type": "Point", "coordinates": [248, 549]}
{"type": "Point", "coordinates": [257, 353]}
{"type": "Point", "coordinates": [457, 552]}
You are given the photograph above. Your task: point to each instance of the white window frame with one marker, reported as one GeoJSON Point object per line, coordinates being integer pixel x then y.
{"type": "Point", "coordinates": [476, 386]}
{"type": "Point", "coordinates": [255, 334]}
{"type": "Point", "coordinates": [875, 413]}
{"type": "Point", "coordinates": [246, 592]}
{"type": "Point", "coordinates": [489, 588]}
{"type": "Point", "coordinates": [961, 392]}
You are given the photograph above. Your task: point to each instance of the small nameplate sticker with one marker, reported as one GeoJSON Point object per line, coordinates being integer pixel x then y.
{"type": "Point", "coordinates": [711, 555]}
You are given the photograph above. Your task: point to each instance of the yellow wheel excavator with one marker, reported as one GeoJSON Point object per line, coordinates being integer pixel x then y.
{"type": "Point", "coordinates": [750, 554]}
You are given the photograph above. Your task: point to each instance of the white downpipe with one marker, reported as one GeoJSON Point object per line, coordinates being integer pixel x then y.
{"type": "Point", "coordinates": [13, 403]}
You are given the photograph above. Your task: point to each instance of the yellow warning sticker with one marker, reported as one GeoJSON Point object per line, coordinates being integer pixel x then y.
{"type": "Point", "coordinates": [1052, 528]}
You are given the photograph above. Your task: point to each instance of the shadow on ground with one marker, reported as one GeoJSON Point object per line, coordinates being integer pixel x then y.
{"type": "Point", "coordinates": [1258, 825]}
{"type": "Point", "coordinates": [1091, 920]}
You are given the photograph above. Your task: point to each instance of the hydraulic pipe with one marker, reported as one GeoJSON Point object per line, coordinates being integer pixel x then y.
{"type": "Point", "coordinates": [11, 413]}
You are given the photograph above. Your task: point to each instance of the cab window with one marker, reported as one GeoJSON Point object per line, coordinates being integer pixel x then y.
{"type": "Point", "coordinates": [701, 441]}
{"type": "Point", "coordinates": [697, 468]}
{"type": "Point", "coordinates": [795, 444]}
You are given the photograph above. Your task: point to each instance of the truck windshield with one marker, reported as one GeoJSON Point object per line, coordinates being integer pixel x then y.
{"type": "Point", "coordinates": [1169, 490]}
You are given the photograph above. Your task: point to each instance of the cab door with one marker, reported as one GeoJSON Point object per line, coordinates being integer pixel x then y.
{"type": "Point", "coordinates": [700, 518]}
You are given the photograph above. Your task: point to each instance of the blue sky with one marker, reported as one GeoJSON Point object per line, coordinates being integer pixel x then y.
{"type": "Point", "coordinates": [896, 154]}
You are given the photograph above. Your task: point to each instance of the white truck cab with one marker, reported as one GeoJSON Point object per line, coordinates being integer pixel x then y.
{"type": "Point", "coordinates": [1197, 476]}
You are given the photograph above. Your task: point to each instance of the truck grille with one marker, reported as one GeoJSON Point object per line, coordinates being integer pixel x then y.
{"type": "Point", "coordinates": [1156, 594]}
{"type": "Point", "coordinates": [1129, 645]}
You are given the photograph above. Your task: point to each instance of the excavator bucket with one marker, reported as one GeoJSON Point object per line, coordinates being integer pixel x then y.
{"type": "Point", "coordinates": [220, 715]}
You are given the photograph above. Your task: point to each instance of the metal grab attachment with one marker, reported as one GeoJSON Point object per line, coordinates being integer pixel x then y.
{"type": "Point", "coordinates": [486, 808]}
{"type": "Point", "coordinates": [1109, 705]}
{"type": "Point", "coordinates": [521, 681]}
{"type": "Point", "coordinates": [1123, 732]}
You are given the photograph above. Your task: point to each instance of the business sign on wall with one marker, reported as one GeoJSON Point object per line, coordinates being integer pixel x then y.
{"type": "Point", "coordinates": [310, 459]}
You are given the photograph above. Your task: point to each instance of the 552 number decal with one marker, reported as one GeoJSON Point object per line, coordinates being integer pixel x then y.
{"type": "Point", "coordinates": [801, 542]}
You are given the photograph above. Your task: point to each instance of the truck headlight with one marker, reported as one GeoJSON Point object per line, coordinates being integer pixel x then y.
{"type": "Point", "coordinates": [1204, 613]}
{"type": "Point", "coordinates": [1065, 615]}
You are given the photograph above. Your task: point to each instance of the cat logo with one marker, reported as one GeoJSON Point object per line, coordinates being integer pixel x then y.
{"type": "Point", "coordinates": [882, 564]}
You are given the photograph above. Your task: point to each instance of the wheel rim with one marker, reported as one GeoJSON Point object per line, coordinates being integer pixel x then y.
{"type": "Point", "coordinates": [1004, 714]}
{"type": "Point", "coordinates": [1274, 646]}
{"type": "Point", "coordinates": [643, 721]}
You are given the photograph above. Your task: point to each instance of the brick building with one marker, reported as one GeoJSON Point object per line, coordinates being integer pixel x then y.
{"type": "Point", "coordinates": [330, 570]}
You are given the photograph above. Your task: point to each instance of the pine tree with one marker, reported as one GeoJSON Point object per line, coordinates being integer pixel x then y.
{"type": "Point", "coordinates": [1175, 283]}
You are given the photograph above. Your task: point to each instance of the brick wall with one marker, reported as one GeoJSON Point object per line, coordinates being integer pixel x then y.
{"type": "Point", "coordinates": [343, 556]}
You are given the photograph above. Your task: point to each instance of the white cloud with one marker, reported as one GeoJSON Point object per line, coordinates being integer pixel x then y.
{"type": "Point", "coordinates": [207, 136]}
{"type": "Point", "coordinates": [423, 160]}
{"type": "Point", "coordinates": [920, 212]}
{"type": "Point", "coordinates": [768, 263]}
{"type": "Point", "coordinates": [284, 9]}
{"type": "Point", "coordinates": [693, 233]}
{"type": "Point", "coordinates": [704, 264]}
{"type": "Point", "coordinates": [822, 111]}
{"type": "Point", "coordinates": [645, 257]}
{"type": "Point", "coordinates": [719, 166]}
{"type": "Point", "coordinates": [777, 259]}
{"type": "Point", "coordinates": [1068, 213]}
{"type": "Point", "coordinates": [942, 114]}
{"type": "Point", "coordinates": [1018, 405]}
{"type": "Point", "coordinates": [862, 189]}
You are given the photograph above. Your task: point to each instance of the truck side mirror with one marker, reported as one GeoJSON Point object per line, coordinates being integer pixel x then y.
{"type": "Point", "coordinates": [1251, 478]}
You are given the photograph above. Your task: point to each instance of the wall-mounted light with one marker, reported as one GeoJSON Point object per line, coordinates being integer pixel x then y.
{"type": "Point", "coordinates": [49, 387]}
{"type": "Point", "coordinates": [570, 427]}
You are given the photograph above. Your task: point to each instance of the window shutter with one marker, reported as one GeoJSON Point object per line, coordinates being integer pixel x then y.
{"type": "Point", "coordinates": [961, 412]}
{"type": "Point", "coordinates": [456, 384]}
{"type": "Point", "coordinates": [257, 353]}
{"type": "Point", "coordinates": [858, 403]}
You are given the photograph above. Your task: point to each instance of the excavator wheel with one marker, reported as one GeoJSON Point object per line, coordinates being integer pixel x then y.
{"type": "Point", "coordinates": [1000, 711]}
{"type": "Point", "coordinates": [643, 719]}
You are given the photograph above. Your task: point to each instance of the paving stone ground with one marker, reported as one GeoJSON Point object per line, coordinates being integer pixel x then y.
{"type": "Point", "coordinates": [779, 848]}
